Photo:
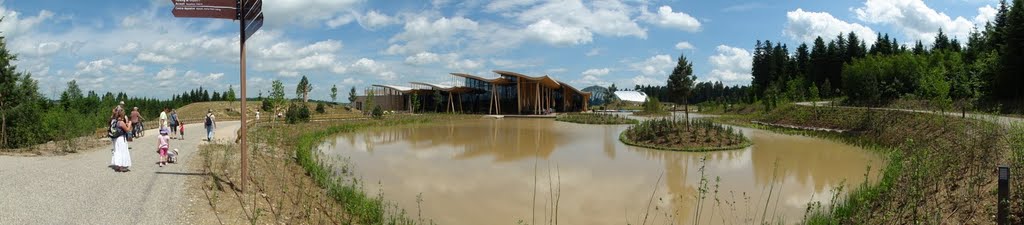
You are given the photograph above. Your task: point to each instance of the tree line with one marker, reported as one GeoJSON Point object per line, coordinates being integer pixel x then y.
{"type": "Point", "coordinates": [28, 118]}
{"type": "Point", "coordinates": [986, 70]}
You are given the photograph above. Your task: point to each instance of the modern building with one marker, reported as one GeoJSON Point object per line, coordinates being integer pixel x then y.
{"type": "Point", "coordinates": [509, 93]}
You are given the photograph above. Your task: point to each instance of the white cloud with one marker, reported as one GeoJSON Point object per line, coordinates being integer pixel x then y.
{"type": "Point", "coordinates": [665, 17]}
{"type": "Point", "coordinates": [422, 34]}
{"type": "Point", "coordinates": [14, 24]}
{"type": "Point", "coordinates": [129, 69]}
{"type": "Point", "coordinates": [371, 67]}
{"type": "Point", "coordinates": [94, 67]}
{"type": "Point", "coordinates": [914, 19]}
{"type": "Point", "coordinates": [684, 45]}
{"type": "Point", "coordinates": [603, 17]}
{"type": "Point", "coordinates": [167, 73]}
{"type": "Point", "coordinates": [306, 12]}
{"type": "Point", "coordinates": [502, 5]}
{"type": "Point", "coordinates": [731, 65]}
{"type": "Point", "coordinates": [646, 80]}
{"type": "Point", "coordinates": [154, 58]}
{"type": "Point", "coordinates": [556, 34]}
{"type": "Point", "coordinates": [465, 64]}
{"type": "Point", "coordinates": [423, 58]}
{"type": "Point", "coordinates": [198, 79]}
{"type": "Point", "coordinates": [373, 20]}
{"type": "Point", "coordinates": [596, 72]}
{"type": "Point", "coordinates": [593, 52]}
{"type": "Point", "coordinates": [657, 65]}
{"type": "Point", "coordinates": [130, 47]}
{"type": "Point", "coordinates": [985, 14]}
{"type": "Point", "coordinates": [806, 26]}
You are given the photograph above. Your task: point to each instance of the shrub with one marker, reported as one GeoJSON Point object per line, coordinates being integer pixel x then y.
{"type": "Point", "coordinates": [320, 108]}
{"type": "Point", "coordinates": [267, 106]}
{"type": "Point", "coordinates": [297, 114]}
{"type": "Point", "coordinates": [378, 113]}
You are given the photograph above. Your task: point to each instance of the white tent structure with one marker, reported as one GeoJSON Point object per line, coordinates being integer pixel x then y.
{"type": "Point", "coordinates": [635, 97]}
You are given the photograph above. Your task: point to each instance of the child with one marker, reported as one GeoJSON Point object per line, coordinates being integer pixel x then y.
{"type": "Point", "coordinates": [162, 146]}
{"type": "Point", "coordinates": [181, 135]}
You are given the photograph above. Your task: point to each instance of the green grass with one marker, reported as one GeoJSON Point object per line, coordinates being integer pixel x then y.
{"type": "Point", "coordinates": [936, 165]}
{"type": "Point", "coordinates": [594, 118]}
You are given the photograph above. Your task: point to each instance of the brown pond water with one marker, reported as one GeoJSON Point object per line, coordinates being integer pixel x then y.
{"type": "Point", "coordinates": [502, 171]}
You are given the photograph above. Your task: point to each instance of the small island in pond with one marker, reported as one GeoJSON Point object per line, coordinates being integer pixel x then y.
{"type": "Point", "coordinates": [595, 118]}
{"type": "Point", "coordinates": [680, 135]}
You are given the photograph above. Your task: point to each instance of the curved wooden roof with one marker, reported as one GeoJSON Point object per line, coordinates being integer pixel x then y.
{"type": "Point", "coordinates": [402, 89]}
{"type": "Point", "coordinates": [570, 87]}
{"type": "Point", "coordinates": [497, 81]}
{"type": "Point", "coordinates": [545, 80]}
{"type": "Point", "coordinates": [442, 87]}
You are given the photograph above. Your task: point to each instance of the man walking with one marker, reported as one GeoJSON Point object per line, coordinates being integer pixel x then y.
{"type": "Point", "coordinates": [211, 123]}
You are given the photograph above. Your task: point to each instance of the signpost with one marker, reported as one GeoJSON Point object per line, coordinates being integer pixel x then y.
{"type": "Point", "coordinates": [249, 14]}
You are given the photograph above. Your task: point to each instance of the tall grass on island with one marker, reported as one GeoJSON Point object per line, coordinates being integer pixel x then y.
{"type": "Point", "coordinates": [594, 118]}
{"type": "Point", "coordinates": [681, 135]}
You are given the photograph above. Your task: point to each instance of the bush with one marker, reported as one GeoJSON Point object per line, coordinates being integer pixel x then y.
{"type": "Point", "coordinates": [297, 114]}
{"type": "Point", "coordinates": [267, 106]}
{"type": "Point", "coordinates": [378, 113]}
{"type": "Point", "coordinates": [320, 108]}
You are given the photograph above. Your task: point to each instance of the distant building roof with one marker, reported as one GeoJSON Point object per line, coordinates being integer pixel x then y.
{"type": "Point", "coordinates": [631, 96]}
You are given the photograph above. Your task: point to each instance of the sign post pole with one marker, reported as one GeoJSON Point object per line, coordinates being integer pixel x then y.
{"type": "Point", "coordinates": [242, 36]}
{"type": "Point", "coordinates": [249, 14]}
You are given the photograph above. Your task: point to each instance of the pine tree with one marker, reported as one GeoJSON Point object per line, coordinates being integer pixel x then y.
{"type": "Point", "coordinates": [819, 62]}
{"type": "Point", "coordinates": [1011, 73]}
{"type": "Point", "coordinates": [230, 95]}
{"type": "Point", "coordinates": [941, 42]}
{"type": "Point", "coordinates": [334, 93]}
{"type": "Point", "coordinates": [303, 89]}
{"type": "Point", "coordinates": [803, 61]}
{"type": "Point", "coordinates": [680, 83]}
{"type": "Point", "coordinates": [352, 95]}
{"type": "Point", "coordinates": [919, 48]}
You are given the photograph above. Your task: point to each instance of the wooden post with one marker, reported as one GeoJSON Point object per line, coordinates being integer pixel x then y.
{"type": "Point", "coordinates": [519, 94]}
{"type": "Point", "coordinates": [242, 133]}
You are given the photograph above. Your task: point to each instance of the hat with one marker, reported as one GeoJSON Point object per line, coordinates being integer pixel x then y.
{"type": "Point", "coordinates": [122, 103]}
{"type": "Point", "coordinates": [163, 131]}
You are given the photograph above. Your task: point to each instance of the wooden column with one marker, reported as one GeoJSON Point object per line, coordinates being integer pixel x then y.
{"type": "Point", "coordinates": [519, 94]}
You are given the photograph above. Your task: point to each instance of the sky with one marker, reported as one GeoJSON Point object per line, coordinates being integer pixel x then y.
{"type": "Point", "coordinates": [140, 48]}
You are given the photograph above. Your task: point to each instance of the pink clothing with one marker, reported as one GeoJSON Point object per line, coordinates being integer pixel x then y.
{"type": "Point", "coordinates": [163, 152]}
{"type": "Point", "coordinates": [164, 141]}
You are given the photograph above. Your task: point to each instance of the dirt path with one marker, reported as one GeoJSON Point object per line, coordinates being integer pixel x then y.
{"type": "Point", "coordinates": [1004, 121]}
{"type": "Point", "coordinates": [82, 189]}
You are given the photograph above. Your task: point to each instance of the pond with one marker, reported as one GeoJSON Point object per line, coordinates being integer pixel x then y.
{"type": "Point", "coordinates": [501, 171]}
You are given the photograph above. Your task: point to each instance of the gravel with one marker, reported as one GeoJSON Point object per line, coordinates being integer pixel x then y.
{"type": "Point", "coordinates": [82, 189]}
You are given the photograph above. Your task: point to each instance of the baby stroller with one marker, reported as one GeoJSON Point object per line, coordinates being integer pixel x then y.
{"type": "Point", "coordinates": [172, 156]}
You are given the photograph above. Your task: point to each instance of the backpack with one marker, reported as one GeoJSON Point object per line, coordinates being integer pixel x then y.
{"type": "Point", "coordinates": [209, 121]}
{"type": "Point", "coordinates": [114, 131]}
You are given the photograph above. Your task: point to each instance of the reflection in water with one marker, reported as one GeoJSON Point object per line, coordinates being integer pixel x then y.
{"type": "Point", "coordinates": [483, 172]}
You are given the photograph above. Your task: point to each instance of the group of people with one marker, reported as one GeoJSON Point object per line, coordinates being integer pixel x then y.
{"type": "Point", "coordinates": [123, 128]}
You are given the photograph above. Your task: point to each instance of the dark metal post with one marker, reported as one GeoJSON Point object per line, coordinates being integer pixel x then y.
{"type": "Point", "coordinates": [1004, 194]}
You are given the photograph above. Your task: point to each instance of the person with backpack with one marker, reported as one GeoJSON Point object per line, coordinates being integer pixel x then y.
{"type": "Point", "coordinates": [174, 122]}
{"type": "Point", "coordinates": [211, 123]}
{"type": "Point", "coordinates": [120, 128]}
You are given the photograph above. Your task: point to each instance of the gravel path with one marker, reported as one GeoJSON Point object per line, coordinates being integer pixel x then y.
{"type": "Point", "coordinates": [82, 189]}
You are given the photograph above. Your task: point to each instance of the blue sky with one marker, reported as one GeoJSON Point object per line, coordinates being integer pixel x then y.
{"type": "Point", "coordinates": [138, 47]}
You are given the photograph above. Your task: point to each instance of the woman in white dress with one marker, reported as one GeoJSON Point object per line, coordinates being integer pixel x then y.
{"type": "Point", "coordinates": [122, 158]}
